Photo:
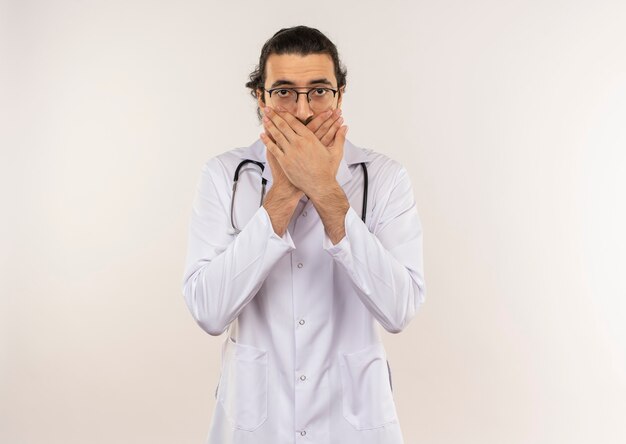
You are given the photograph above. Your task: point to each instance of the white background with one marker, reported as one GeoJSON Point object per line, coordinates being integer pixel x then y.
{"type": "Point", "coordinates": [509, 115]}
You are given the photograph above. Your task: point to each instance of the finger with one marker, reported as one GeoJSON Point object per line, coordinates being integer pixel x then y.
{"type": "Point", "coordinates": [330, 135]}
{"type": "Point", "coordinates": [270, 157]}
{"type": "Point", "coordinates": [278, 136]}
{"type": "Point", "coordinates": [340, 139]}
{"type": "Point", "coordinates": [270, 136]}
{"type": "Point", "coordinates": [317, 122]}
{"type": "Point", "coordinates": [325, 127]}
{"type": "Point", "coordinates": [271, 146]}
{"type": "Point", "coordinates": [285, 120]}
{"type": "Point", "coordinates": [272, 161]}
{"type": "Point", "coordinates": [279, 121]}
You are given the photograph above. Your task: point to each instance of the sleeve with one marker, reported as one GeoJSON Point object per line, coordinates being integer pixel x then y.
{"type": "Point", "coordinates": [386, 267]}
{"type": "Point", "coordinates": [224, 271]}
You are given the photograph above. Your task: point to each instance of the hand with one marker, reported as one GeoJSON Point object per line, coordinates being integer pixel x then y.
{"type": "Point", "coordinates": [279, 179]}
{"type": "Point", "coordinates": [325, 125]}
{"type": "Point", "coordinates": [308, 164]}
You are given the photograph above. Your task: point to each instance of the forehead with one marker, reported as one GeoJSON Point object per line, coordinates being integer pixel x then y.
{"type": "Point", "coordinates": [299, 69]}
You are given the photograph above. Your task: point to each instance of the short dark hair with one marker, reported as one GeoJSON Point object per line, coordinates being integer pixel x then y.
{"type": "Point", "coordinates": [300, 40]}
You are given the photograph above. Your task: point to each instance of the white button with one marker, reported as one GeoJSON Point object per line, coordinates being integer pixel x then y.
{"type": "Point", "coordinates": [304, 213]}
{"type": "Point", "coordinates": [300, 265]}
{"type": "Point", "coordinates": [301, 322]}
{"type": "Point", "coordinates": [302, 433]}
{"type": "Point", "coordinates": [302, 378]}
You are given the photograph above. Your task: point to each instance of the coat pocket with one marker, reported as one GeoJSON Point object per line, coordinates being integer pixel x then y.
{"type": "Point", "coordinates": [243, 385]}
{"type": "Point", "coordinates": [366, 392]}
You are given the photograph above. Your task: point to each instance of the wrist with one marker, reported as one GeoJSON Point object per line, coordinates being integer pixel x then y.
{"type": "Point", "coordinates": [284, 192]}
{"type": "Point", "coordinates": [324, 190]}
{"type": "Point", "coordinates": [280, 204]}
{"type": "Point", "coordinates": [332, 205]}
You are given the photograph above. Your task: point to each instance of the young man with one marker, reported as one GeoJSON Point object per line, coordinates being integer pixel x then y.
{"type": "Point", "coordinates": [302, 281]}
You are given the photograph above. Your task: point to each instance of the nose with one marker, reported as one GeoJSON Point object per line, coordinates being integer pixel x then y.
{"type": "Point", "coordinates": [303, 110]}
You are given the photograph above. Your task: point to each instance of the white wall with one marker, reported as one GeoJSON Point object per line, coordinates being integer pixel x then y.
{"type": "Point", "coordinates": [509, 115]}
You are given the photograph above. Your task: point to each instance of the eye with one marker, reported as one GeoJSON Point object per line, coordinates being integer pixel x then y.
{"type": "Point", "coordinates": [320, 91]}
{"type": "Point", "coordinates": [282, 92]}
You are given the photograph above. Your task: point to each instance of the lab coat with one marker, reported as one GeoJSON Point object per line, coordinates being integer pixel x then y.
{"type": "Point", "coordinates": [302, 360]}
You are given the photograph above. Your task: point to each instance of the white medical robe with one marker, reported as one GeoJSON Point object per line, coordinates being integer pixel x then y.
{"type": "Point", "coordinates": [302, 360]}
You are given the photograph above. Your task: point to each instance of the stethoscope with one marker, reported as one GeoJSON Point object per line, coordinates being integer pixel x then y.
{"type": "Point", "coordinates": [264, 183]}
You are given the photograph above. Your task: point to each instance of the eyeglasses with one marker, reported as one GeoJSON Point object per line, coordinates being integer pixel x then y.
{"type": "Point", "coordinates": [319, 98]}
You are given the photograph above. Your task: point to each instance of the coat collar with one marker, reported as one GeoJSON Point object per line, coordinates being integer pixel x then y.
{"type": "Point", "coordinates": [351, 155]}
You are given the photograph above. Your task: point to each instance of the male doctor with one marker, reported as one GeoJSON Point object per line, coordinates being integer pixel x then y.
{"type": "Point", "coordinates": [301, 281]}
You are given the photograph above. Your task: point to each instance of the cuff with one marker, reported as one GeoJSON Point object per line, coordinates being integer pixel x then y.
{"type": "Point", "coordinates": [285, 239]}
{"type": "Point", "coordinates": [343, 246]}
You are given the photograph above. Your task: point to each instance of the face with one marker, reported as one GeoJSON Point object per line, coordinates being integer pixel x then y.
{"type": "Point", "coordinates": [300, 71]}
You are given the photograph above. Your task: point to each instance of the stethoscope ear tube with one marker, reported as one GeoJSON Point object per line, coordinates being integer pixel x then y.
{"type": "Point", "coordinates": [232, 203]}
{"type": "Point", "coordinates": [235, 180]}
{"type": "Point", "coordinates": [365, 177]}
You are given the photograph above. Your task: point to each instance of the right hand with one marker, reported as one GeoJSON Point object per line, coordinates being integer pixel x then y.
{"type": "Point", "coordinates": [324, 126]}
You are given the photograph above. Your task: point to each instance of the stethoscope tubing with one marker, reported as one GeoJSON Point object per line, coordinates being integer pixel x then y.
{"type": "Point", "coordinates": [264, 183]}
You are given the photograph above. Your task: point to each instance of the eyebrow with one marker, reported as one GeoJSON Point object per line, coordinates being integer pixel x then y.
{"type": "Point", "coordinates": [280, 82]}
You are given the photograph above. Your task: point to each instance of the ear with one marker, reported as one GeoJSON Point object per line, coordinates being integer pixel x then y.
{"type": "Point", "coordinates": [259, 99]}
{"type": "Point", "coordinates": [340, 95]}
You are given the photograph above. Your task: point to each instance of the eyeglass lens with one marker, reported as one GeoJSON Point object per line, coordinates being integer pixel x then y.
{"type": "Point", "coordinates": [319, 99]}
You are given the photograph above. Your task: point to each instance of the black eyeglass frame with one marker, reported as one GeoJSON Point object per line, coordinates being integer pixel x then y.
{"type": "Point", "coordinates": [313, 88]}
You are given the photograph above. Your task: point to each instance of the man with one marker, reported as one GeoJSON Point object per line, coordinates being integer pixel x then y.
{"type": "Point", "coordinates": [301, 281]}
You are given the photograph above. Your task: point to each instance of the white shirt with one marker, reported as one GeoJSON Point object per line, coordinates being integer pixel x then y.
{"type": "Point", "coordinates": [303, 359]}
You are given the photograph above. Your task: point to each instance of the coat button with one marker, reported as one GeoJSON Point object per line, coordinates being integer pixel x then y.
{"type": "Point", "coordinates": [302, 433]}
{"type": "Point", "coordinates": [300, 265]}
{"type": "Point", "coordinates": [301, 322]}
{"type": "Point", "coordinates": [304, 213]}
{"type": "Point", "coordinates": [302, 378]}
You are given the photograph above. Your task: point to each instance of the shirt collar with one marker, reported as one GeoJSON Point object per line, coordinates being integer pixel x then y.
{"type": "Point", "coordinates": [352, 154]}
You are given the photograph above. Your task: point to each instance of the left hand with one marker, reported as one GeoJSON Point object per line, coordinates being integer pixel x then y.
{"type": "Point", "coordinates": [325, 125]}
{"type": "Point", "coordinates": [308, 164]}
{"type": "Point", "coordinates": [279, 180]}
